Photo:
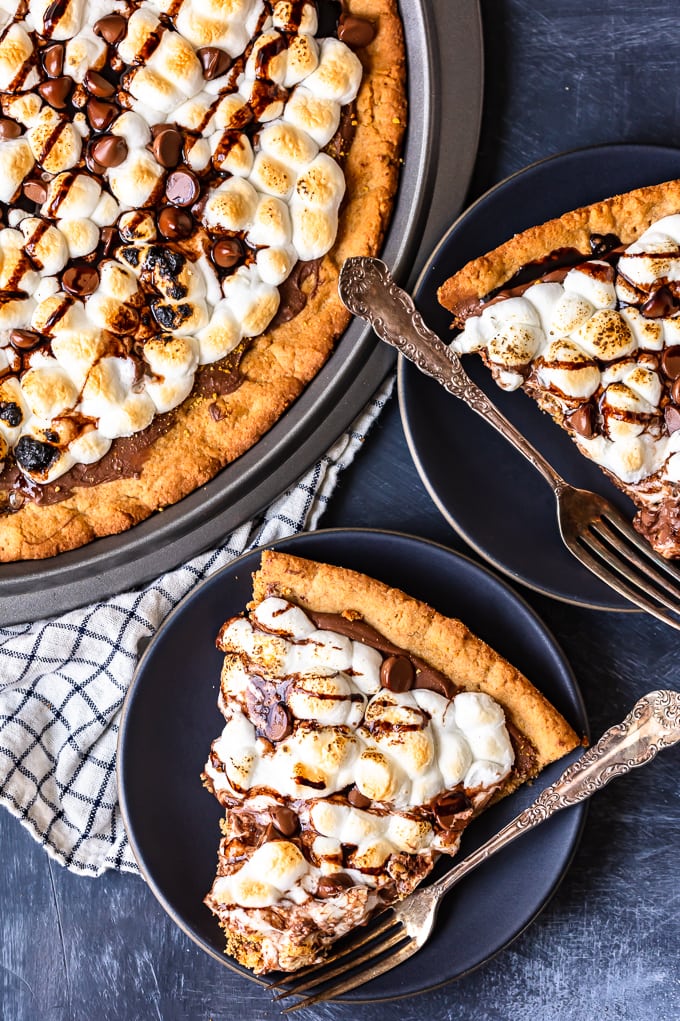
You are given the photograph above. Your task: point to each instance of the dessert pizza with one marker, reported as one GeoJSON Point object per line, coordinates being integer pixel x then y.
{"type": "Point", "coordinates": [363, 732]}
{"type": "Point", "coordinates": [582, 312]}
{"type": "Point", "coordinates": [179, 182]}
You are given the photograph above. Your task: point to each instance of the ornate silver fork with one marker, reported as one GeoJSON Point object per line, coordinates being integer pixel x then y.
{"type": "Point", "coordinates": [591, 528]}
{"type": "Point", "coordinates": [652, 724]}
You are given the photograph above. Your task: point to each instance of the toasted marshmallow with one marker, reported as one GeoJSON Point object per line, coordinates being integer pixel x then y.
{"type": "Point", "coordinates": [643, 262]}
{"type": "Point", "coordinates": [71, 196]}
{"type": "Point", "coordinates": [107, 398]}
{"type": "Point", "coordinates": [593, 286]}
{"type": "Point", "coordinates": [252, 301]}
{"type": "Point", "coordinates": [606, 335]}
{"type": "Point", "coordinates": [287, 17]}
{"type": "Point", "coordinates": [47, 248]}
{"type": "Point", "coordinates": [569, 370]}
{"type": "Point", "coordinates": [338, 74]}
{"type": "Point", "coordinates": [319, 118]}
{"type": "Point", "coordinates": [82, 52]}
{"type": "Point", "coordinates": [220, 337]}
{"type": "Point", "coordinates": [16, 50]}
{"type": "Point", "coordinates": [65, 26]}
{"type": "Point", "coordinates": [231, 206]}
{"type": "Point", "coordinates": [54, 141]}
{"type": "Point", "coordinates": [16, 162]}
{"type": "Point", "coordinates": [81, 236]}
{"type": "Point", "coordinates": [48, 390]}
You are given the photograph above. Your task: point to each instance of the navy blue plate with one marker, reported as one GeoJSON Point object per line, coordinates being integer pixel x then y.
{"type": "Point", "coordinates": [486, 490]}
{"type": "Point", "coordinates": [170, 718]}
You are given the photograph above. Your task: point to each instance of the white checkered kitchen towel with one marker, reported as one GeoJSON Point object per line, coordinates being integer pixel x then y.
{"type": "Point", "coordinates": [63, 681]}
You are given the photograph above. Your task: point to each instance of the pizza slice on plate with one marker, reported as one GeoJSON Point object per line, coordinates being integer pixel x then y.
{"type": "Point", "coordinates": [582, 312]}
{"type": "Point", "coordinates": [364, 731]}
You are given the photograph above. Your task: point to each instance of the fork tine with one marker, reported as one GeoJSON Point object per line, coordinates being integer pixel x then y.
{"type": "Point", "coordinates": [323, 976]}
{"type": "Point", "coordinates": [371, 934]}
{"type": "Point", "coordinates": [355, 980]}
{"type": "Point", "coordinates": [667, 595]}
{"type": "Point", "coordinates": [612, 517]}
{"type": "Point", "coordinates": [617, 583]}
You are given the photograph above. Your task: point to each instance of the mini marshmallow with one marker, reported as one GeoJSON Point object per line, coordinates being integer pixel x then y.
{"type": "Point", "coordinates": [16, 50]}
{"type": "Point", "coordinates": [82, 237]}
{"type": "Point", "coordinates": [319, 118]}
{"type": "Point", "coordinates": [569, 370]}
{"type": "Point", "coordinates": [47, 248]}
{"type": "Point", "coordinates": [48, 390]}
{"type": "Point", "coordinates": [606, 335]}
{"type": "Point", "coordinates": [16, 162]}
{"type": "Point", "coordinates": [54, 142]}
{"type": "Point", "coordinates": [338, 74]}
{"type": "Point", "coordinates": [72, 196]}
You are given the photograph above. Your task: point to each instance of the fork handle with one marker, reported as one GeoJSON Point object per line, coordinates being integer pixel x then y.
{"type": "Point", "coordinates": [652, 724]}
{"type": "Point", "coordinates": [368, 290]}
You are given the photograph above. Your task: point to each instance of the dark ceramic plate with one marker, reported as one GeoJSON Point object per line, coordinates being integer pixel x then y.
{"type": "Point", "coordinates": [170, 718]}
{"type": "Point", "coordinates": [497, 502]}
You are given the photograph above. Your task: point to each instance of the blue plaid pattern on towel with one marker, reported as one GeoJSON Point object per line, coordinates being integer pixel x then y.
{"type": "Point", "coordinates": [63, 681]}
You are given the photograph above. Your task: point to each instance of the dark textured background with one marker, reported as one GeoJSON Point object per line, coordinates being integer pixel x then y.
{"type": "Point", "coordinates": [559, 75]}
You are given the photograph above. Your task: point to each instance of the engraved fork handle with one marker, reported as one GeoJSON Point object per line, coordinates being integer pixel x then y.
{"type": "Point", "coordinates": [652, 724]}
{"type": "Point", "coordinates": [369, 291]}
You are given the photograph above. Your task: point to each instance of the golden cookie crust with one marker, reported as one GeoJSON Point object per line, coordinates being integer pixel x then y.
{"type": "Point", "coordinates": [278, 364]}
{"type": "Point", "coordinates": [444, 642]}
{"type": "Point", "coordinates": [627, 216]}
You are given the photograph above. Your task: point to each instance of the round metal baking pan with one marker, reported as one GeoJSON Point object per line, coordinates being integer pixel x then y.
{"type": "Point", "coordinates": [445, 93]}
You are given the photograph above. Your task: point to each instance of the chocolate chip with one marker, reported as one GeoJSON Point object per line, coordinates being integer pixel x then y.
{"type": "Point", "coordinates": [270, 833]}
{"type": "Point", "coordinates": [429, 679]}
{"type": "Point", "coordinates": [36, 191]}
{"type": "Point", "coordinates": [450, 807]}
{"type": "Point", "coordinates": [56, 91]}
{"type": "Point", "coordinates": [226, 252]}
{"type": "Point", "coordinates": [670, 362]}
{"type": "Point", "coordinates": [175, 224]}
{"type": "Point", "coordinates": [80, 280]}
{"type": "Point", "coordinates": [582, 421]}
{"type": "Point", "coordinates": [279, 723]}
{"type": "Point", "coordinates": [675, 391]}
{"type": "Point", "coordinates": [357, 799]}
{"type": "Point", "coordinates": [108, 240]}
{"type": "Point", "coordinates": [661, 302]}
{"type": "Point", "coordinates": [355, 32]}
{"type": "Point", "coordinates": [97, 85]}
{"type": "Point", "coordinates": [182, 187]}
{"type": "Point", "coordinates": [285, 820]}
{"type": "Point", "coordinates": [53, 60]}
{"type": "Point", "coordinates": [109, 150]}
{"type": "Point", "coordinates": [330, 886]}
{"type": "Point", "coordinates": [24, 340]}
{"type": "Point", "coordinates": [9, 128]}
{"type": "Point", "coordinates": [167, 147]}
{"type": "Point", "coordinates": [397, 673]}
{"type": "Point", "coordinates": [111, 28]}
{"type": "Point", "coordinates": [100, 115]}
{"type": "Point", "coordinates": [215, 62]}
{"type": "Point", "coordinates": [672, 418]}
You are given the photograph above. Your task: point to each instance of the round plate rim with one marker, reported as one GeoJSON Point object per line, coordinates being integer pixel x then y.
{"type": "Point", "coordinates": [579, 811]}
{"type": "Point", "coordinates": [404, 366]}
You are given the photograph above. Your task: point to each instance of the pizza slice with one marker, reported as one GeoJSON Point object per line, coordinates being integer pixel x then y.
{"type": "Point", "coordinates": [364, 731]}
{"type": "Point", "coordinates": [582, 312]}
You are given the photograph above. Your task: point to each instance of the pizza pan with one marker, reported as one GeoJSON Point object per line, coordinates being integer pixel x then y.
{"type": "Point", "coordinates": [438, 159]}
